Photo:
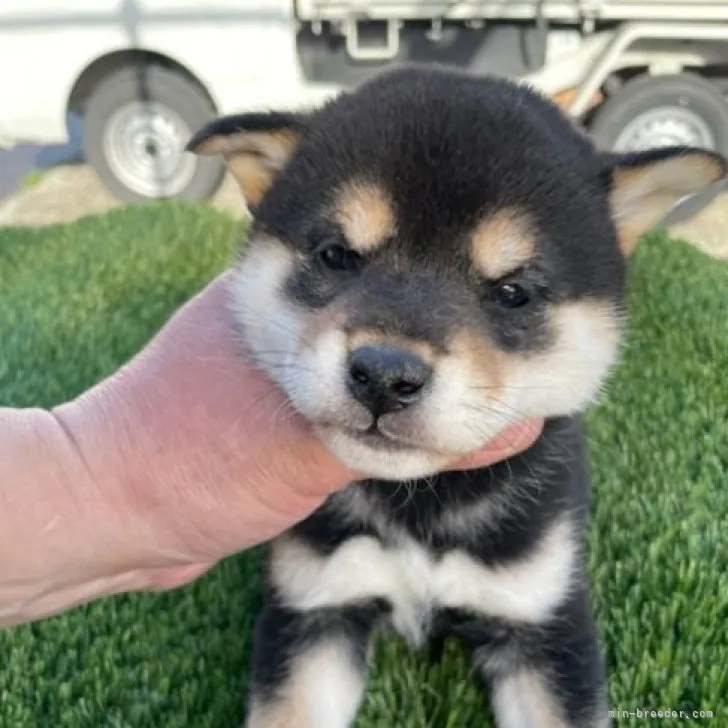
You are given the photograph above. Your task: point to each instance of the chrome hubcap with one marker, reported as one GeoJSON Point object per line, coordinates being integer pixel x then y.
{"type": "Point", "coordinates": [144, 146]}
{"type": "Point", "coordinates": [663, 127]}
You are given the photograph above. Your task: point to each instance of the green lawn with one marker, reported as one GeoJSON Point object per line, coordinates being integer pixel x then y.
{"type": "Point", "coordinates": [77, 300]}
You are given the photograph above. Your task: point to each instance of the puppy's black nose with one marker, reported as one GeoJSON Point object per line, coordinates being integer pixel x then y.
{"type": "Point", "coordinates": [385, 379]}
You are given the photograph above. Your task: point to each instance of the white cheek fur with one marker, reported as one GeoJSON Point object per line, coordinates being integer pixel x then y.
{"type": "Point", "coordinates": [571, 374]}
{"type": "Point", "coordinates": [463, 412]}
{"type": "Point", "coordinates": [459, 415]}
{"type": "Point", "coordinates": [317, 387]}
{"type": "Point", "coordinates": [272, 327]}
{"type": "Point", "coordinates": [309, 372]}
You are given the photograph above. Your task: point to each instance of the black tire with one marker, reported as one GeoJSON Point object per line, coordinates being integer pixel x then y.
{"type": "Point", "coordinates": [172, 93]}
{"type": "Point", "coordinates": [645, 93]}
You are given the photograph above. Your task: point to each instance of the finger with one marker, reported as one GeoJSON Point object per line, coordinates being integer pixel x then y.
{"type": "Point", "coordinates": [512, 440]}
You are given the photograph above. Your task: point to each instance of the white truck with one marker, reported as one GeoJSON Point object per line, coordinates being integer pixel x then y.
{"type": "Point", "coordinates": [144, 74]}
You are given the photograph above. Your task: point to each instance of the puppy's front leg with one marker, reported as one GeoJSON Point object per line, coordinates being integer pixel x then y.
{"type": "Point", "coordinates": [309, 668]}
{"type": "Point", "coordinates": [548, 675]}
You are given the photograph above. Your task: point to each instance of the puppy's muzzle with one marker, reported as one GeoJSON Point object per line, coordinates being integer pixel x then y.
{"type": "Point", "coordinates": [386, 379]}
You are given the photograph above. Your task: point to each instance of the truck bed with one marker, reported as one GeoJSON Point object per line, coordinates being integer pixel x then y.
{"type": "Point", "coordinates": [564, 11]}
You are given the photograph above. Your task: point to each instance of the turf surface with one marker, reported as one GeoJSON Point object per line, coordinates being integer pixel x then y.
{"type": "Point", "coordinates": [75, 301]}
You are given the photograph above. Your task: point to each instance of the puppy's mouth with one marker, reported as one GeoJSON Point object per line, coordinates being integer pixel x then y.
{"type": "Point", "coordinates": [371, 434]}
{"type": "Point", "coordinates": [382, 435]}
{"type": "Point", "coordinates": [378, 453]}
{"type": "Point", "coordinates": [374, 438]}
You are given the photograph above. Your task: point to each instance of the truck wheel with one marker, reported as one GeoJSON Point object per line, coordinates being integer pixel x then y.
{"type": "Point", "coordinates": [136, 124]}
{"type": "Point", "coordinates": [661, 111]}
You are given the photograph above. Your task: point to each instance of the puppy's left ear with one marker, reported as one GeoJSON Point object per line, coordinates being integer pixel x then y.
{"type": "Point", "coordinates": [255, 147]}
{"type": "Point", "coordinates": [645, 186]}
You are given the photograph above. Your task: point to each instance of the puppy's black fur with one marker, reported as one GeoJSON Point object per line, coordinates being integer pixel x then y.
{"type": "Point", "coordinates": [466, 223]}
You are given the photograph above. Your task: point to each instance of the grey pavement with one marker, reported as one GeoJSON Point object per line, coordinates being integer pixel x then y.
{"type": "Point", "coordinates": [16, 163]}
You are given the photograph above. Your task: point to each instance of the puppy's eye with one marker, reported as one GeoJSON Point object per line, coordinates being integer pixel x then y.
{"type": "Point", "coordinates": [510, 295]}
{"type": "Point", "coordinates": [337, 257]}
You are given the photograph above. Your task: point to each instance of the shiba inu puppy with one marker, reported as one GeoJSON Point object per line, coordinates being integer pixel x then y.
{"type": "Point", "coordinates": [434, 256]}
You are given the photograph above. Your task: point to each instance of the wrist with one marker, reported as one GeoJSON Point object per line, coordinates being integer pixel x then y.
{"type": "Point", "coordinates": [59, 530]}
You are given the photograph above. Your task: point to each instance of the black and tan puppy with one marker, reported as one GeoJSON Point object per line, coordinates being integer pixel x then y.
{"type": "Point", "coordinates": [434, 256]}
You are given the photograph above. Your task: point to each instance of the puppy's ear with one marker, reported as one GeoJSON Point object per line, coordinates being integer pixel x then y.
{"type": "Point", "coordinates": [255, 147]}
{"type": "Point", "coordinates": [645, 186]}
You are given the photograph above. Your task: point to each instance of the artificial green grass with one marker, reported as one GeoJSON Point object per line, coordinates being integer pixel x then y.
{"type": "Point", "coordinates": [77, 300]}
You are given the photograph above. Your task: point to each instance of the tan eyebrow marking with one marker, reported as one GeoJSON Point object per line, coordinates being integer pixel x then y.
{"type": "Point", "coordinates": [502, 243]}
{"type": "Point", "coordinates": [365, 213]}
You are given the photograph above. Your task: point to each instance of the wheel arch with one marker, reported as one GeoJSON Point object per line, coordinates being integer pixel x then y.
{"type": "Point", "coordinates": [101, 68]}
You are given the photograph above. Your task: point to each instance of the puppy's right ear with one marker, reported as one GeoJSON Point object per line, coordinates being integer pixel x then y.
{"type": "Point", "coordinates": [255, 147]}
{"type": "Point", "coordinates": [644, 186]}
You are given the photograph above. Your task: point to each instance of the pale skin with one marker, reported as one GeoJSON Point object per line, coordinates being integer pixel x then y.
{"type": "Point", "coordinates": [183, 457]}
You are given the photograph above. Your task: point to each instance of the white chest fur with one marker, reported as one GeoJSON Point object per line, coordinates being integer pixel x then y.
{"type": "Point", "coordinates": [416, 583]}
